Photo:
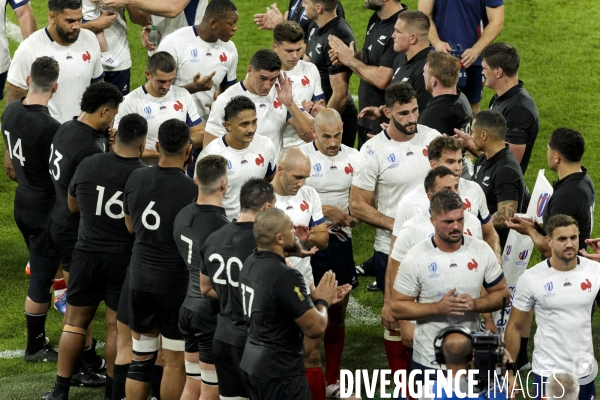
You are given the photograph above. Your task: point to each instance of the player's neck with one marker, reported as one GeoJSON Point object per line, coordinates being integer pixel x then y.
{"type": "Point", "coordinates": [215, 199]}
{"type": "Point", "coordinates": [55, 37]}
{"type": "Point", "coordinates": [36, 99]}
{"type": "Point", "coordinates": [277, 186]}
{"type": "Point", "coordinates": [562, 265]}
{"type": "Point", "coordinates": [248, 86]}
{"type": "Point", "coordinates": [126, 151]}
{"type": "Point", "coordinates": [235, 144]}
{"type": "Point", "coordinates": [91, 120]}
{"type": "Point", "coordinates": [414, 50]}
{"type": "Point", "coordinates": [170, 162]}
{"type": "Point", "coordinates": [275, 249]}
{"type": "Point", "coordinates": [445, 246]}
{"type": "Point", "coordinates": [398, 136]}
{"type": "Point", "coordinates": [286, 68]}
{"type": "Point", "coordinates": [504, 85]}
{"type": "Point", "coordinates": [151, 91]}
{"type": "Point", "coordinates": [492, 148]}
{"type": "Point", "coordinates": [388, 9]}
{"type": "Point", "coordinates": [439, 90]}
{"type": "Point", "coordinates": [246, 216]}
{"type": "Point", "coordinates": [565, 169]}
{"type": "Point", "coordinates": [205, 33]}
{"type": "Point", "coordinates": [323, 19]}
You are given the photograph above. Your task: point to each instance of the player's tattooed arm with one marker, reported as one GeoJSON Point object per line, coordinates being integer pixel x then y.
{"type": "Point", "coordinates": [309, 326]}
{"type": "Point", "coordinates": [14, 93]}
{"type": "Point", "coordinates": [506, 210]}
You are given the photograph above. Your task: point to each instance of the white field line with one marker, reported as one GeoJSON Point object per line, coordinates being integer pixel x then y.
{"type": "Point", "coordinates": [20, 353]}
{"type": "Point", "coordinates": [14, 33]}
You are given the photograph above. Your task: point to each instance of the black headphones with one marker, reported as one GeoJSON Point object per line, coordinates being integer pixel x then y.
{"type": "Point", "coordinates": [441, 335]}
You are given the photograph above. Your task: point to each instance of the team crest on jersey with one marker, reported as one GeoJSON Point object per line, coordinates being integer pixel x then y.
{"type": "Point", "coordinates": [382, 37]}
{"type": "Point", "coordinates": [548, 287]}
{"type": "Point", "coordinates": [319, 45]}
{"type": "Point", "coordinates": [541, 204]}
{"type": "Point", "coordinates": [349, 170]}
{"type": "Point", "coordinates": [148, 112]}
{"type": "Point", "coordinates": [244, 161]}
{"type": "Point", "coordinates": [194, 54]}
{"type": "Point", "coordinates": [69, 57]}
{"type": "Point", "coordinates": [223, 57]}
{"type": "Point", "coordinates": [299, 293]}
{"type": "Point", "coordinates": [433, 268]}
{"type": "Point", "coordinates": [333, 167]}
{"type": "Point", "coordinates": [567, 283]}
{"type": "Point", "coordinates": [409, 153]}
{"type": "Point", "coordinates": [472, 265]}
{"type": "Point", "coordinates": [260, 160]}
{"type": "Point", "coordinates": [178, 106]}
{"type": "Point", "coordinates": [317, 169]}
{"type": "Point", "coordinates": [305, 81]}
{"type": "Point", "coordinates": [230, 170]}
{"type": "Point", "coordinates": [466, 204]}
{"type": "Point", "coordinates": [392, 160]}
{"type": "Point", "coordinates": [587, 285]}
{"type": "Point", "coordinates": [86, 56]}
{"type": "Point", "coordinates": [304, 206]}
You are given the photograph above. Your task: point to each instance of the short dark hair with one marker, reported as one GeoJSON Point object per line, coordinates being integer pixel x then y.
{"type": "Point", "coordinates": [173, 136]}
{"type": "Point", "coordinates": [399, 92]}
{"type": "Point", "coordinates": [492, 122]}
{"type": "Point", "coordinates": [161, 61]}
{"type": "Point", "coordinates": [255, 193]}
{"type": "Point", "coordinates": [502, 55]}
{"type": "Point", "coordinates": [445, 201]}
{"type": "Point", "coordinates": [444, 67]}
{"type": "Point", "coordinates": [44, 74]}
{"type": "Point", "coordinates": [559, 221]}
{"type": "Point", "coordinates": [569, 143]}
{"type": "Point", "coordinates": [415, 21]}
{"type": "Point", "coordinates": [60, 5]}
{"type": "Point", "coordinates": [288, 31]}
{"type": "Point", "coordinates": [218, 8]}
{"type": "Point", "coordinates": [209, 172]}
{"type": "Point", "coordinates": [267, 225]}
{"type": "Point", "coordinates": [133, 129]}
{"type": "Point", "coordinates": [441, 144]}
{"type": "Point", "coordinates": [100, 94]}
{"type": "Point", "coordinates": [236, 105]}
{"type": "Point", "coordinates": [266, 60]}
{"type": "Point", "coordinates": [328, 5]}
{"type": "Point", "coordinates": [433, 174]}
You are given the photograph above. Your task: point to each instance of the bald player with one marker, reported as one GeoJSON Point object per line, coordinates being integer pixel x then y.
{"type": "Point", "coordinates": [279, 310]}
{"type": "Point", "coordinates": [333, 165]}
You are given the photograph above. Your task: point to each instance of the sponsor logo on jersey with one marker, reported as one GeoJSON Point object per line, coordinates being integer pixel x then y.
{"type": "Point", "coordinates": [305, 81]}
{"type": "Point", "coordinates": [260, 160]}
{"type": "Point", "coordinates": [426, 151]}
{"type": "Point", "coordinates": [317, 169]}
{"type": "Point", "coordinates": [299, 293]}
{"type": "Point", "coordinates": [433, 268]}
{"type": "Point", "coordinates": [468, 232]}
{"type": "Point", "coordinates": [392, 160]}
{"type": "Point", "coordinates": [208, 54]}
{"type": "Point", "coordinates": [244, 161]}
{"type": "Point", "coordinates": [472, 265]}
{"type": "Point", "coordinates": [349, 170]}
{"type": "Point", "coordinates": [148, 112]}
{"type": "Point", "coordinates": [587, 285]}
{"type": "Point", "coordinates": [333, 167]}
{"type": "Point", "coordinates": [541, 204]}
{"type": "Point", "coordinates": [223, 57]}
{"type": "Point", "coordinates": [409, 153]}
{"type": "Point", "coordinates": [467, 204]}
{"type": "Point", "coordinates": [289, 207]}
{"type": "Point", "coordinates": [548, 287]}
{"type": "Point", "coordinates": [178, 106]}
{"type": "Point", "coordinates": [194, 54]}
{"type": "Point", "coordinates": [261, 105]}
{"type": "Point", "coordinates": [566, 283]}
{"type": "Point", "coordinates": [68, 57]}
{"type": "Point", "coordinates": [230, 170]}
{"type": "Point", "coordinates": [304, 206]}
{"type": "Point", "coordinates": [453, 264]}
{"type": "Point", "coordinates": [162, 107]}
{"type": "Point", "coordinates": [86, 56]}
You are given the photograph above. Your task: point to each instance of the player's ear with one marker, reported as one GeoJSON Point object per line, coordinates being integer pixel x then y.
{"type": "Point", "coordinates": [55, 87]}
{"type": "Point", "coordinates": [27, 80]}
{"type": "Point", "coordinates": [157, 147]}
{"type": "Point", "coordinates": [387, 112]}
{"type": "Point", "coordinates": [227, 126]}
{"type": "Point", "coordinates": [279, 238]}
{"type": "Point", "coordinates": [196, 180]}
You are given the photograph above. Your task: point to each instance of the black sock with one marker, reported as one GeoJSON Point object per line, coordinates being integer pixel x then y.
{"type": "Point", "coordinates": [118, 381]}
{"type": "Point", "coordinates": [36, 334]}
{"type": "Point", "coordinates": [62, 387]}
{"type": "Point", "coordinates": [108, 388]}
{"type": "Point", "coordinates": [89, 355]}
{"type": "Point", "coordinates": [157, 372]}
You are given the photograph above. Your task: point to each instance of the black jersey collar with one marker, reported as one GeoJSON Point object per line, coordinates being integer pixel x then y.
{"type": "Point", "coordinates": [243, 225]}
{"type": "Point", "coordinates": [268, 254]}
{"type": "Point", "coordinates": [208, 208]}
{"type": "Point", "coordinates": [510, 92]}
{"type": "Point", "coordinates": [420, 55]}
{"type": "Point", "coordinates": [328, 26]}
{"type": "Point", "coordinates": [444, 97]}
{"type": "Point", "coordinates": [574, 176]}
{"type": "Point", "coordinates": [83, 126]}
{"type": "Point", "coordinates": [499, 155]}
{"type": "Point", "coordinates": [34, 107]}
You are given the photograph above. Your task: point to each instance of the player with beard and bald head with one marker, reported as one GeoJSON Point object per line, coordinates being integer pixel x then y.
{"type": "Point", "coordinates": [74, 48]}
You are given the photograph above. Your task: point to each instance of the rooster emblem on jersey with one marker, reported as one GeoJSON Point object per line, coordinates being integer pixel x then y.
{"type": "Point", "coordinates": [426, 151]}
{"type": "Point", "coordinates": [277, 103]}
{"type": "Point", "coordinates": [304, 206]}
{"type": "Point", "coordinates": [472, 265]}
{"type": "Point", "coordinates": [305, 81]}
{"type": "Point", "coordinates": [349, 170]}
{"type": "Point", "coordinates": [260, 160]}
{"type": "Point", "coordinates": [467, 204]}
{"type": "Point", "coordinates": [223, 57]}
{"type": "Point", "coordinates": [468, 232]}
{"type": "Point", "coordinates": [178, 106]}
{"type": "Point", "coordinates": [587, 285]}
{"type": "Point", "coordinates": [86, 56]}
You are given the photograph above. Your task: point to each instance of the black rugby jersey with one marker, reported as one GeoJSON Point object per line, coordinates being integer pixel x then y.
{"type": "Point", "coordinates": [98, 185]}
{"type": "Point", "coordinates": [411, 71]}
{"type": "Point", "coordinates": [446, 112]}
{"type": "Point", "coordinates": [296, 13]}
{"type": "Point", "coordinates": [223, 256]}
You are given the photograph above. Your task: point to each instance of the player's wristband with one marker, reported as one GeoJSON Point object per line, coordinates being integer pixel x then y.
{"type": "Point", "coordinates": [321, 302]}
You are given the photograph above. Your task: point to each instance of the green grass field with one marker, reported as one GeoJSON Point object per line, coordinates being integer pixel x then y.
{"type": "Point", "coordinates": [558, 43]}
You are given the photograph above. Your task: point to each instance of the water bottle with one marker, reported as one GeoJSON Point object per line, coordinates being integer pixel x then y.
{"type": "Point", "coordinates": [153, 36]}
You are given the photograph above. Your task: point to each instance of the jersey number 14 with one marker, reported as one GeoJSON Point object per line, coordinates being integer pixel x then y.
{"type": "Point", "coordinates": [17, 151]}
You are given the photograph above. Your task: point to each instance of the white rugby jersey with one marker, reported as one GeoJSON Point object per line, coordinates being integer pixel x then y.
{"type": "Point", "coordinates": [304, 209]}
{"type": "Point", "coordinates": [331, 176]}
{"type": "Point", "coordinates": [271, 114]}
{"type": "Point", "coordinates": [4, 51]}
{"type": "Point", "coordinates": [562, 302]}
{"type": "Point", "coordinates": [417, 201]}
{"type": "Point", "coordinates": [419, 228]}
{"type": "Point", "coordinates": [116, 34]}
{"type": "Point", "coordinates": [427, 273]}
{"type": "Point", "coordinates": [392, 169]}
{"type": "Point", "coordinates": [193, 55]}
{"type": "Point", "coordinates": [177, 103]}
{"type": "Point", "coordinates": [306, 86]}
{"type": "Point", "coordinates": [191, 15]}
{"type": "Point", "coordinates": [255, 161]}
{"type": "Point", "coordinates": [79, 66]}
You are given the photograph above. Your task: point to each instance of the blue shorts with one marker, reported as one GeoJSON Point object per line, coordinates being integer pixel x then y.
{"type": "Point", "coordinates": [587, 391]}
{"type": "Point", "coordinates": [380, 260]}
{"type": "Point", "coordinates": [338, 258]}
{"type": "Point", "coordinates": [120, 79]}
{"type": "Point", "coordinates": [2, 83]}
{"type": "Point", "coordinates": [473, 88]}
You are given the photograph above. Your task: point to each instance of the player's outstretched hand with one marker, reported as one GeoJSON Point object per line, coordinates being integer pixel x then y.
{"type": "Point", "coordinates": [327, 289]}
{"type": "Point", "coordinates": [342, 52]}
{"type": "Point", "coordinates": [591, 256]}
{"type": "Point", "coordinates": [387, 320]}
{"type": "Point", "coordinates": [520, 224]}
{"type": "Point", "coordinates": [271, 18]}
{"type": "Point", "coordinates": [302, 232]}
{"type": "Point", "coordinates": [452, 304]}
{"type": "Point", "coordinates": [407, 330]}
{"type": "Point", "coordinates": [307, 253]}
{"type": "Point", "coordinates": [342, 292]}
{"type": "Point", "coordinates": [283, 87]}
{"type": "Point", "coordinates": [203, 83]}
{"type": "Point", "coordinates": [146, 39]}
{"type": "Point", "coordinates": [469, 56]}
{"type": "Point", "coordinates": [443, 47]}
{"type": "Point", "coordinates": [371, 113]}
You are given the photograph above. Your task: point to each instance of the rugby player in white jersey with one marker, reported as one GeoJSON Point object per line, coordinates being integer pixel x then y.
{"type": "Point", "coordinates": [273, 112]}
{"type": "Point", "coordinates": [158, 100]}
{"type": "Point", "coordinates": [333, 167]}
{"type": "Point", "coordinates": [288, 38]}
{"type": "Point", "coordinates": [248, 155]}
{"type": "Point", "coordinates": [391, 164]}
{"type": "Point", "coordinates": [561, 290]}
{"type": "Point", "coordinates": [441, 277]}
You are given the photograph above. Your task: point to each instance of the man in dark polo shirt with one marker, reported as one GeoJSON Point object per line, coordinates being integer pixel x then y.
{"type": "Point", "coordinates": [497, 171]}
{"type": "Point", "coordinates": [411, 39]}
{"type": "Point", "coordinates": [500, 68]}
{"type": "Point", "coordinates": [334, 79]}
{"type": "Point", "coordinates": [373, 64]}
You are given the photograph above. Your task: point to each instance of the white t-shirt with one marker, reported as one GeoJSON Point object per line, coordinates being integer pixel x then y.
{"type": "Point", "coordinates": [177, 103]}
{"type": "Point", "coordinates": [116, 34]}
{"type": "Point", "coordinates": [191, 15]}
{"type": "Point", "coordinates": [255, 161]}
{"type": "Point", "coordinates": [427, 273]}
{"type": "Point", "coordinates": [271, 114]}
{"type": "Point", "coordinates": [419, 228]}
{"type": "Point", "coordinates": [417, 201]}
{"type": "Point", "coordinates": [193, 55]}
{"type": "Point", "coordinates": [306, 86]}
{"type": "Point", "coordinates": [562, 302]}
{"type": "Point", "coordinates": [331, 176]}
{"type": "Point", "coordinates": [303, 209]}
{"type": "Point", "coordinates": [79, 66]}
{"type": "Point", "coordinates": [4, 50]}
{"type": "Point", "coordinates": [392, 169]}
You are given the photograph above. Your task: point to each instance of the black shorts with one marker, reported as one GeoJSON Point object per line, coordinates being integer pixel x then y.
{"type": "Point", "coordinates": [120, 79]}
{"type": "Point", "coordinates": [33, 226]}
{"type": "Point", "coordinates": [227, 363]}
{"type": "Point", "coordinates": [338, 258]}
{"type": "Point", "coordinates": [63, 240]}
{"type": "Point", "coordinates": [149, 311]}
{"type": "Point", "coordinates": [295, 387]}
{"type": "Point", "coordinates": [2, 83]}
{"type": "Point", "coordinates": [198, 328]}
{"type": "Point", "coordinates": [123, 307]}
{"type": "Point", "coordinates": [350, 120]}
{"type": "Point", "coordinates": [95, 277]}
